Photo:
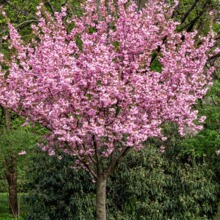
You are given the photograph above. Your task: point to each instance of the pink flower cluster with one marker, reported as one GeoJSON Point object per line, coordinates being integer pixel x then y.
{"type": "Point", "coordinates": [104, 94]}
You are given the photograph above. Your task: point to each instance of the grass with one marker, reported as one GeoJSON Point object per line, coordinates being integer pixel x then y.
{"type": "Point", "coordinates": [4, 210]}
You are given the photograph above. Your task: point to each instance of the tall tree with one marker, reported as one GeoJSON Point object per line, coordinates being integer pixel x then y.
{"type": "Point", "coordinates": [94, 88]}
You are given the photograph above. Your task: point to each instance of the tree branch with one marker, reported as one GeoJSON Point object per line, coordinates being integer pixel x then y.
{"type": "Point", "coordinates": [90, 170]}
{"type": "Point", "coordinates": [157, 51]}
{"type": "Point", "coordinates": [114, 163]}
{"type": "Point", "coordinates": [189, 10]}
{"type": "Point", "coordinates": [191, 24]}
{"type": "Point", "coordinates": [214, 57]}
{"type": "Point", "coordinates": [96, 155]}
{"type": "Point", "coordinates": [50, 6]}
{"type": "Point", "coordinates": [26, 23]}
{"type": "Point", "coordinates": [7, 119]}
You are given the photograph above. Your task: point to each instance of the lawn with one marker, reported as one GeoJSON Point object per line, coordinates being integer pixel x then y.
{"type": "Point", "coordinates": [4, 210]}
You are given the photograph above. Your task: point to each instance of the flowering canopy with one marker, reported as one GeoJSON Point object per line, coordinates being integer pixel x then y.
{"type": "Point", "coordinates": [93, 86]}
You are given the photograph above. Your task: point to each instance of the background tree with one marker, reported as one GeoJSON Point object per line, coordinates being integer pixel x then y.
{"type": "Point", "coordinates": [12, 144]}
{"type": "Point", "coordinates": [196, 16]}
{"type": "Point", "coordinates": [12, 141]}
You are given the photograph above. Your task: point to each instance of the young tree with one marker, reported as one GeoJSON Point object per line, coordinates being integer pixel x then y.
{"type": "Point", "coordinates": [94, 88]}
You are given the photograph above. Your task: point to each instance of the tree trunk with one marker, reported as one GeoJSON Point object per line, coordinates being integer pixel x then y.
{"type": "Point", "coordinates": [11, 176]}
{"type": "Point", "coordinates": [11, 172]}
{"type": "Point", "coordinates": [101, 198]}
{"type": "Point", "coordinates": [7, 119]}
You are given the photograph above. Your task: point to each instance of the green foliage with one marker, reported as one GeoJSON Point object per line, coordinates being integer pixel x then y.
{"type": "Point", "coordinates": [207, 142]}
{"type": "Point", "coordinates": [11, 143]}
{"type": "Point", "coordinates": [152, 185]}
{"type": "Point", "coordinates": [147, 185]}
{"type": "Point", "coordinates": [4, 209]}
{"type": "Point", "coordinates": [198, 18]}
{"type": "Point", "coordinates": [79, 43]}
{"type": "Point", "coordinates": [15, 141]}
{"type": "Point", "coordinates": [58, 191]}
{"type": "Point", "coordinates": [156, 65]}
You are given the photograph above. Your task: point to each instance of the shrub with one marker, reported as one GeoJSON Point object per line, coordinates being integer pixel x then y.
{"type": "Point", "coordinates": [148, 185]}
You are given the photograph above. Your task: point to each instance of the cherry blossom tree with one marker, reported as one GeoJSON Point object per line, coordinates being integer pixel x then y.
{"type": "Point", "coordinates": [94, 88]}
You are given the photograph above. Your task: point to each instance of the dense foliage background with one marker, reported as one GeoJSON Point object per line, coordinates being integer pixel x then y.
{"type": "Point", "coordinates": [148, 185]}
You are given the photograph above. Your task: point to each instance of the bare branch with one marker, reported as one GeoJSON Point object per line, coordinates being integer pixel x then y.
{"type": "Point", "coordinates": [114, 163]}
{"type": "Point", "coordinates": [50, 6]}
{"type": "Point", "coordinates": [191, 24]}
{"type": "Point", "coordinates": [26, 23]}
{"type": "Point", "coordinates": [83, 161]}
{"type": "Point", "coordinates": [189, 10]}
{"type": "Point", "coordinates": [214, 57]}
{"type": "Point", "coordinates": [90, 170]}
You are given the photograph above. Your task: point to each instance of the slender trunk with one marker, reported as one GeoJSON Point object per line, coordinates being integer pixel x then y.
{"type": "Point", "coordinates": [11, 176]}
{"type": "Point", "coordinates": [7, 119]}
{"type": "Point", "coordinates": [101, 183]}
{"type": "Point", "coordinates": [101, 198]}
{"type": "Point", "coordinates": [11, 172]}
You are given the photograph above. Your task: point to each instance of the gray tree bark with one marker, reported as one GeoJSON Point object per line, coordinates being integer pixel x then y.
{"type": "Point", "coordinates": [101, 198]}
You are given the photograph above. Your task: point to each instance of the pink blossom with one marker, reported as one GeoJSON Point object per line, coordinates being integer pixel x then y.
{"type": "Point", "coordinates": [164, 138]}
{"type": "Point", "coordinates": [27, 122]}
{"type": "Point", "coordinates": [51, 152]}
{"type": "Point", "coordinates": [202, 119]}
{"type": "Point", "coordinates": [162, 149]}
{"type": "Point", "coordinates": [103, 96]}
{"type": "Point", "coordinates": [60, 157]}
{"type": "Point", "coordinates": [5, 37]}
{"type": "Point", "coordinates": [23, 152]}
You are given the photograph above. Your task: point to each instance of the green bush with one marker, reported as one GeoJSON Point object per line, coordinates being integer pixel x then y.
{"type": "Point", "coordinates": [57, 191]}
{"type": "Point", "coordinates": [153, 185]}
{"type": "Point", "coordinates": [147, 185]}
